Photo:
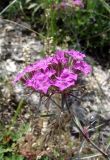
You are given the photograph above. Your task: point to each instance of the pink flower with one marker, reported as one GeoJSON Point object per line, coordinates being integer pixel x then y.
{"type": "Point", "coordinates": [65, 80]}
{"type": "Point", "coordinates": [75, 54]}
{"type": "Point", "coordinates": [78, 3]}
{"type": "Point", "coordinates": [59, 57]}
{"type": "Point", "coordinates": [36, 66]}
{"type": "Point", "coordinates": [62, 5]}
{"type": "Point", "coordinates": [39, 82]}
{"type": "Point", "coordinates": [55, 73]}
{"type": "Point", "coordinates": [69, 3]}
{"type": "Point", "coordinates": [83, 67]}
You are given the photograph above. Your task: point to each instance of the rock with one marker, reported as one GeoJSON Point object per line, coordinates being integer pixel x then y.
{"type": "Point", "coordinates": [97, 97]}
{"type": "Point", "coordinates": [10, 66]}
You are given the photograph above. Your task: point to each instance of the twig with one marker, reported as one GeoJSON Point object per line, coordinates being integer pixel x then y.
{"type": "Point", "coordinates": [7, 7]}
{"type": "Point", "coordinates": [88, 140]}
{"type": "Point", "coordinates": [81, 148]}
{"type": "Point", "coordinates": [79, 99]}
{"type": "Point", "coordinates": [82, 145]}
{"type": "Point", "coordinates": [55, 103]}
{"type": "Point", "coordinates": [106, 5]}
{"type": "Point", "coordinates": [99, 85]}
{"type": "Point", "coordinates": [85, 136]}
{"type": "Point", "coordinates": [88, 157]}
{"type": "Point", "coordinates": [19, 107]}
{"type": "Point", "coordinates": [30, 29]}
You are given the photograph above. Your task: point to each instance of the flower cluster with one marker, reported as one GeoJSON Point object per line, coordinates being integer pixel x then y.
{"type": "Point", "coordinates": [78, 3]}
{"type": "Point", "coordinates": [70, 3]}
{"type": "Point", "coordinates": [56, 73]}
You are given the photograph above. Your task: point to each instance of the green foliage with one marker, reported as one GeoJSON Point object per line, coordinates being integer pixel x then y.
{"type": "Point", "coordinates": [88, 26]}
{"type": "Point", "coordinates": [13, 10]}
{"type": "Point", "coordinates": [45, 158]}
{"type": "Point", "coordinates": [11, 156]}
{"type": "Point", "coordinates": [8, 142]}
{"type": "Point", "coordinates": [82, 28]}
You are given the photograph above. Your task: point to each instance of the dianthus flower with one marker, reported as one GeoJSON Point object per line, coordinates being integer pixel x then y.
{"type": "Point", "coordinates": [69, 3]}
{"type": "Point", "coordinates": [76, 54]}
{"type": "Point", "coordinates": [56, 73]}
{"type": "Point", "coordinates": [78, 3]}
{"type": "Point", "coordinates": [82, 66]}
{"type": "Point", "coordinates": [66, 79]}
{"type": "Point", "coordinates": [40, 82]}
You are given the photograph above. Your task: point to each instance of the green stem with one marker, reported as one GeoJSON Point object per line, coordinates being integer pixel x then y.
{"type": "Point", "coordinates": [51, 25]}
{"type": "Point", "coordinates": [20, 105]}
